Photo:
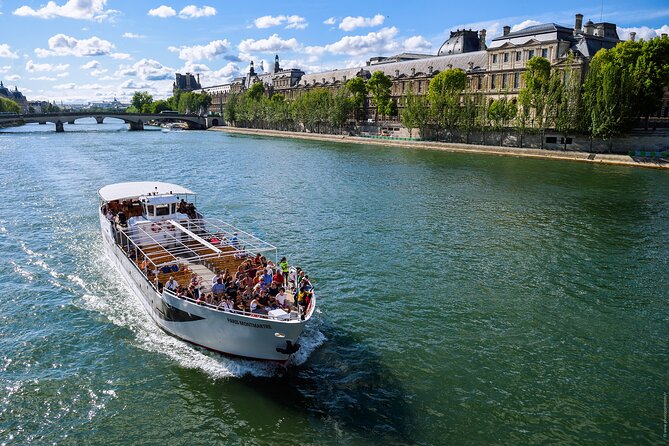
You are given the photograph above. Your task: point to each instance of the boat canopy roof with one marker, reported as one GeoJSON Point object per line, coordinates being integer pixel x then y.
{"type": "Point", "coordinates": [135, 189]}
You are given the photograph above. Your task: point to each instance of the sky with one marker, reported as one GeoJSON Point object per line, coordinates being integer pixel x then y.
{"type": "Point", "coordinates": [97, 50]}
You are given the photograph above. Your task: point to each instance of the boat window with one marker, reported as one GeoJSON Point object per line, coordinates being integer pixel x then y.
{"type": "Point", "coordinates": [162, 210]}
{"type": "Point", "coordinates": [149, 209]}
{"type": "Point", "coordinates": [173, 208]}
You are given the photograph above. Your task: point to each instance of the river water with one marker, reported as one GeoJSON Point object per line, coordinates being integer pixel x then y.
{"type": "Point", "coordinates": [462, 298]}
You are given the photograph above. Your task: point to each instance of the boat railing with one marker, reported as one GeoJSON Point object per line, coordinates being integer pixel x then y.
{"type": "Point", "coordinates": [195, 239]}
{"type": "Point", "coordinates": [298, 312]}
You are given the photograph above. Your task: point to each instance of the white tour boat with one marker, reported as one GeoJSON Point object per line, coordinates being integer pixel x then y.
{"type": "Point", "coordinates": [152, 232]}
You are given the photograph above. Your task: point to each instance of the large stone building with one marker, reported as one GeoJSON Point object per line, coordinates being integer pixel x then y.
{"type": "Point", "coordinates": [14, 95]}
{"type": "Point", "coordinates": [492, 70]}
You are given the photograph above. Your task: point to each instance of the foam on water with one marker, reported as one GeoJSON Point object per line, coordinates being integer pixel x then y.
{"type": "Point", "coordinates": [112, 298]}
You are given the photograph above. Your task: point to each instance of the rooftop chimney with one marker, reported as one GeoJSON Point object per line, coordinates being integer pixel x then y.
{"type": "Point", "coordinates": [507, 30]}
{"type": "Point", "coordinates": [632, 36]}
{"type": "Point", "coordinates": [578, 23]}
{"type": "Point", "coordinates": [482, 45]}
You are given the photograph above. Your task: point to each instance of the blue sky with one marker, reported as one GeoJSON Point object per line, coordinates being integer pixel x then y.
{"type": "Point", "coordinates": [93, 50]}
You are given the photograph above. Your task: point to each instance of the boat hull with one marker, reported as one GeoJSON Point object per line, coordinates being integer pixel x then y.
{"type": "Point", "coordinates": [220, 331]}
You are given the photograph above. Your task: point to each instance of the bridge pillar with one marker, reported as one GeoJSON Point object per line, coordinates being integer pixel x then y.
{"type": "Point", "coordinates": [59, 127]}
{"type": "Point", "coordinates": [99, 119]}
{"type": "Point", "coordinates": [139, 125]}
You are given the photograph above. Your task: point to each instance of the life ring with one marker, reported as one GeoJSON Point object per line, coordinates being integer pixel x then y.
{"type": "Point", "coordinates": [155, 227]}
{"type": "Point", "coordinates": [169, 227]}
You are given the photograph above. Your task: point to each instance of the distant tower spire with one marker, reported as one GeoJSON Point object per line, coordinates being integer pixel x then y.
{"type": "Point", "coordinates": [276, 64]}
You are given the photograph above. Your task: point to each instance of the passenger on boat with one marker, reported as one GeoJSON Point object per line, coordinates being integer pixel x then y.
{"type": "Point", "coordinates": [219, 288]}
{"type": "Point", "coordinates": [303, 297]}
{"type": "Point", "coordinates": [215, 278]}
{"type": "Point", "coordinates": [273, 289]}
{"type": "Point", "coordinates": [109, 215]}
{"type": "Point", "coordinates": [158, 284]}
{"type": "Point", "coordinates": [267, 277]}
{"type": "Point", "coordinates": [283, 264]}
{"type": "Point", "coordinates": [183, 207]}
{"type": "Point", "coordinates": [172, 284]}
{"type": "Point", "coordinates": [145, 266]}
{"type": "Point", "coordinates": [282, 299]}
{"type": "Point", "coordinates": [256, 308]}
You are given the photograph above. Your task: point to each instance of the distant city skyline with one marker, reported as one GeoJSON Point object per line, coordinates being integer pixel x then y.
{"type": "Point", "coordinates": [97, 50]}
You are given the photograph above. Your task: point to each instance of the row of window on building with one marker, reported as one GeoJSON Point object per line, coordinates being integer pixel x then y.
{"type": "Point", "coordinates": [506, 57]}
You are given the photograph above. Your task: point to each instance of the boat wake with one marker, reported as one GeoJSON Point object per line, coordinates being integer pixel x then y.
{"type": "Point", "coordinates": [96, 286]}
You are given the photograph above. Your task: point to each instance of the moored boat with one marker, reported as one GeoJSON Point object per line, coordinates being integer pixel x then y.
{"type": "Point", "coordinates": [178, 264]}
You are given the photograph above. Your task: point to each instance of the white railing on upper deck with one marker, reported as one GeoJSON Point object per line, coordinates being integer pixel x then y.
{"type": "Point", "coordinates": [206, 233]}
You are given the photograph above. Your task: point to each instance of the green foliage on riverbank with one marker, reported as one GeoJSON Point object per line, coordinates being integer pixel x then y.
{"type": "Point", "coordinates": [7, 105]}
{"type": "Point", "coordinates": [183, 102]}
{"type": "Point", "coordinates": [622, 85]}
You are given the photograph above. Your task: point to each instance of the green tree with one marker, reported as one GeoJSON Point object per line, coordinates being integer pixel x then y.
{"type": "Point", "coordinates": [534, 96]}
{"type": "Point", "coordinates": [342, 105]}
{"type": "Point", "coordinates": [609, 96]}
{"type": "Point", "coordinates": [7, 105]}
{"type": "Point", "coordinates": [230, 110]}
{"type": "Point", "coordinates": [444, 94]}
{"type": "Point", "coordinates": [358, 91]}
{"type": "Point", "coordinates": [141, 102]}
{"type": "Point", "coordinates": [500, 112]}
{"type": "Point", "coordinates": [256, 92]}
{"type": "Point", "coordinates": [415, 114]}
{"type": "Point", "coordinates": [379, 86]}
{"type": "Point", "coordinates": [159, 105]}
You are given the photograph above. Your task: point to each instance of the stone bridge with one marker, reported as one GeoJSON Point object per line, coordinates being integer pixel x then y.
{"type": "Point", "coordinates": [135, 120]}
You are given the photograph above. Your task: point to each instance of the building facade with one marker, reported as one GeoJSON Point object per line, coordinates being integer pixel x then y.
{"type": "Point", "coordinates": [495, 70]}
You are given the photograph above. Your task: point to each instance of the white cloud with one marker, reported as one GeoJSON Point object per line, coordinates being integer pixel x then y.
{"type": "Point", "coordinates": [120, 56]}
{"type": "Point", "coordinates": [193, 12]}
{"type": "Point", "coordinates": [132, 85]}
{"type": "Point", "coordinates": [163, 12]}
{"type": "Point", "coordinates": [5, 51]}
{"type": "Point", "coordinates": [43, 78]}
{"type": "Point", "coordinates": [291, 21]}
{"type": "Point", "coordinates": [350, 23]}
{"type": "Point", "coordinates": [147, 70]}
{"type": "Point", "coordinates": [642, 32]}
{"type": "Point", "coordinates": [524, 24]}
{"type": "Point", "coordinates": [72, 9]}
{"type": "Point", "coordinates": [63, 45]}
{"type": "Point", "coordinates": [13, 77]}
{"type": "Point", "coordinates": [330, 21]}
{"type": "Point", "coordinates": [91, 64]}
{"type": "Point", "coordinates": [209, 77]}
{"type": "Point", "coordinates": [5, 69]}
{"type": "Point", "coordinates": [273, 43]}
{"type": "Point", "coordinates": [36, 67]}
{"type": "Point", "coordinates": [64, 74]}
{"type": "Point", "coordinates": [68, 86]}
{"type": "Point", "coordinates": [379, 42]}
{"type": "Point", "coordinates": [199, 52]}
{"type": "Point", "coordinates": [133, 36]}
{"type": "Point", "coordinates": [95, 67]}
{"type": "Point", "coordinates": [417, 43]}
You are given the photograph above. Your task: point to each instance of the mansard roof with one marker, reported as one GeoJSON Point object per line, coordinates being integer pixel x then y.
{"type": "Point", "coordinates": [536, 29]}
{"type": "Point", "coordinates": [478, 59]}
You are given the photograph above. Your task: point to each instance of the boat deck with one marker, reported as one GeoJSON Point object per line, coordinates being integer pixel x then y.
{"type": "Point", "coordinates": [193, 246]}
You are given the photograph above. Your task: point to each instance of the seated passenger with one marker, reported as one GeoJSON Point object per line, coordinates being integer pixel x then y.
{"type": "Point", "coordinates": [255, 307]}
{"type": "Point", "coordinates": [219, 288]}
{"type": "Point", "coordinates": [282, 299]}
{"type": "Point", "coordinates": [172, 284]}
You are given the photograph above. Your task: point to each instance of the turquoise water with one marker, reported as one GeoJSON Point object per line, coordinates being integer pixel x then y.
{"type": "Point", "coordinates": [463, 298]}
